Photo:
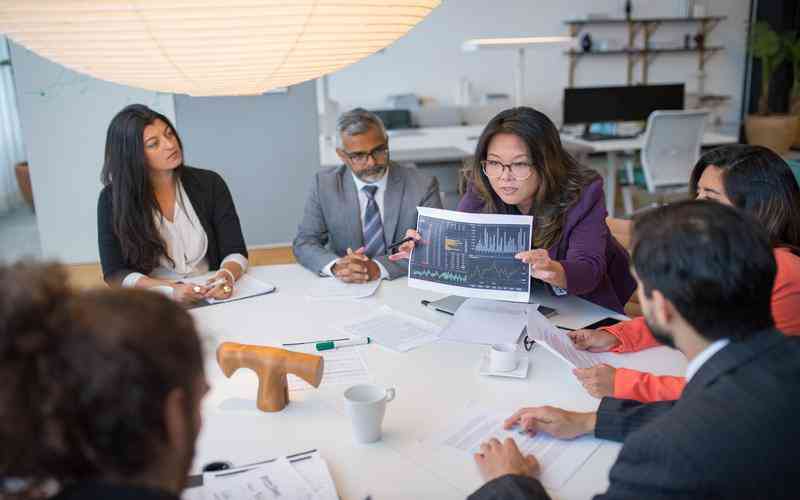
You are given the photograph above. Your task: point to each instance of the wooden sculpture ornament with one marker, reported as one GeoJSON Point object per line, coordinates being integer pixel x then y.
{"type": "Point", "coordinates": [271, 364]}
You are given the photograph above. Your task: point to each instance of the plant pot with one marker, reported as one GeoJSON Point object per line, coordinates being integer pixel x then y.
{"type": "Point", "coordinates": [24, 182]}
{"type": "Point", "coordinates": [776, 132]}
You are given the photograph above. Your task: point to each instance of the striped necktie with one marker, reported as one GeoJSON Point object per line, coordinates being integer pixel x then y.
{"type": "Point", "coordinates": [373, 227]}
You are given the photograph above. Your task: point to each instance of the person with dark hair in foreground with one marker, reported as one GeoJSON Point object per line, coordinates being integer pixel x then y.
{"type": "Point", "coordinates": [101, 390]}
{"type": "Point", "coordinates": [753, 179]}
{"type": "Point", "coordinates": [705, 273]}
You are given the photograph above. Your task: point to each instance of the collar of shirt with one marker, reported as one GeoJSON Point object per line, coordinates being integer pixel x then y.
{"type": "Point", "coordinates": [362, 196]}
{"type": "Point", "coordinates": [381, 183]}
{"type": "Point", "coordinates": [699, 360]}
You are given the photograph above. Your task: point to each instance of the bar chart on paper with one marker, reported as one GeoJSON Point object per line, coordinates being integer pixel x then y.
{"type": "Point", "coordinates": [471, 254]}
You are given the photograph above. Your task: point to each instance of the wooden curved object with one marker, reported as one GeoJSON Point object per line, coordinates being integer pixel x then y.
{"type": "Point", "coordinates": [271, 364]}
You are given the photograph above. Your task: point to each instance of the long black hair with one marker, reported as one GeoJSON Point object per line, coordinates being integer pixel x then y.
{"type": "Point", "coordinates": [133, 199]}
{"type": "Point", "coordinates": [561, 177]}
{"type": "Point", "coordinates": [761, 183]}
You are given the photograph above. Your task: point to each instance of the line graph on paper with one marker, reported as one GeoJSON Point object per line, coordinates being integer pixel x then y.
{"type": "Point", "coordinates": [471, 254]}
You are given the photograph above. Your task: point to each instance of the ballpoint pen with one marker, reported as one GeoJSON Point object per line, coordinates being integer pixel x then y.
{"type": "Point", "coordinates": [398, 243]}
{"type": "Point", "coordinates": [334, 344]}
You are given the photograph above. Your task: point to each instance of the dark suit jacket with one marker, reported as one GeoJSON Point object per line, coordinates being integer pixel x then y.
{"type": "Point", "coordinates": [732, 433]}
{"type": "Point", "coordinates": [332, 216]}
{"type": "Point", "coordinates": [212, 201]}
{"type": "Point", "coordinates": [106, 491]}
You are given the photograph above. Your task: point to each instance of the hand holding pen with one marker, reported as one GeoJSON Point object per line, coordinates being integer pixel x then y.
{"type": "Point", "coordinates": [413, 238]}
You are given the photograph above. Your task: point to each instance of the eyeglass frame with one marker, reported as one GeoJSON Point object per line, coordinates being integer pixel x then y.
{"type": "Point", "coordinates": [382, 150]}
{"type": "Point", "coordinates": [508, 166]}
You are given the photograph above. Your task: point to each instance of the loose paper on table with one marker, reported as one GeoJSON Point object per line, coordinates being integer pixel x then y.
{"type": "Point", "coordinates": [345, 366]}
{"type": "Point", "coordinates": [246, 287]}
{"type": "Point", "coordinates": [471, 254]}
{"type": "Point", "coordinates": [545, 333]}
{"type": "Point", "coordinates": [481, 321]}
{"type": "Point", "coordinates": [334, 289]}
{"type": "Point", "coordinates": [394, 330]}
{"type": "Point", "coordinates": [559, 459]}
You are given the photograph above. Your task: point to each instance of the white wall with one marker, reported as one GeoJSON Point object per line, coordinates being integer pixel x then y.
{"type": "Point", "coordinates": [429, 61]}
{"type": "Point", "coordinates": [64, 117]}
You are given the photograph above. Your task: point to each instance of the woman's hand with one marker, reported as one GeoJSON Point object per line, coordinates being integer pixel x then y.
{"type": "Point", "coordinates": [544, 268]}
{"type": "Point", "coordinates": [219, 286]}
{"type": "Point", "coordinates": [593, 340]}
{"type": "Point", "coordinates": [188, 293]}
{"type": "Point", "coordinates": [404, 251]}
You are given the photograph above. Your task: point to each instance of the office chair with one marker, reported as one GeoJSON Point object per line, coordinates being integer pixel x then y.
{"type": "Point", "coordinates": [671, 147]}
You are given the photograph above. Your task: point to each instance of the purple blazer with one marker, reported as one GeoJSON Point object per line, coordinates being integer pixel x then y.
{"type": "Point", "coordinates": [596, 265]}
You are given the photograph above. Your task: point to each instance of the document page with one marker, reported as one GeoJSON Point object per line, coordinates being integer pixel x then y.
{"type": "Point", "coordinates": [471, 254]}
{"type": "Point", "coordinates": [246, 286]}
{"type": "Point", "coordinates": [343, 366]}
{"type": "Point", "coordinates": [482, 321]}
{"type": "Point", "coordinates": [559, 459]}
{"type": "Point", "coordinates": [274, 480]}
{"type": "Point", "coordinates": [545, 333]}
{"type": "Point", "coordinates": [394, 330]}
{"type": "Point", "coordinates": [334, 289]}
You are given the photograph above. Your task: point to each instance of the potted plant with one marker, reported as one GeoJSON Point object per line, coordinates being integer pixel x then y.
{"type": "Point", "coordinates": [775, 131]}
{"type": "Point", "coordinates": [792, 45]}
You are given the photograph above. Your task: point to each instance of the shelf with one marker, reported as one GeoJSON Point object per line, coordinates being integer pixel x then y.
{"type": "Point", "coordinates": [620, 20]}
{"type": "Point", "coordinates": [628, 52]}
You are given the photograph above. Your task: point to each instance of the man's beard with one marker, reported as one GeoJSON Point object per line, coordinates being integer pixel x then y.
{"type": "Point", "coordinates": [372, 174]}
{"type": "Point", "coordinates": [660, 334]}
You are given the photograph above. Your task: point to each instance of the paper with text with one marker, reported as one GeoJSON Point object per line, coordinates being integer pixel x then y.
{"type": "Point", "coordinates": [273, 480]}
{"type": "Point", "coordinates": [334, 289]}
{"type": "Point", "coordinates": [545, 333]}
{"type": "Point", "coordinates": [344, 366]}
{"type": "Point", "coordinates": [558, 459]}
{"type": "Point", "coordinates": [482, 321]}
{"type": "Point", "coordinates": [394, 330]}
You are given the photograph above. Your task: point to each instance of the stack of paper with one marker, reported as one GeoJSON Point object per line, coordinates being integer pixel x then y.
{"type": "Point", "coordinates": [482, 321]}
{"type": "Point", "coordinates": [343, 366]}
{"type": "Point", "coordinates": [394, 330]}
{"type": "Point", "coordinates": [334, 289]}
{"type": "Point", "coordinates": [301, 477]}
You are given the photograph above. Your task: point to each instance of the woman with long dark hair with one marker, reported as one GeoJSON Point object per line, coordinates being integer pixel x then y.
{"type": "Point", "coordinates": [520, 167]}
{"type": "Point", "coordinates": [750, 178]}
{"type": "Point", "coordinates": [160, 221]}
{"type": "Point", "coordinates": [101, 392]}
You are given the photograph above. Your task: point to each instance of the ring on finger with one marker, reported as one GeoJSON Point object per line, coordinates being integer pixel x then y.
{"type": "Point", "coordinates": [196, 289]}
{"type": "Point", "coordinates": [227, 289]}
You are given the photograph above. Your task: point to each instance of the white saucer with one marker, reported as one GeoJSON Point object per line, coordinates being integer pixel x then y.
{"type": "Point", "coordinates": [521, 371]}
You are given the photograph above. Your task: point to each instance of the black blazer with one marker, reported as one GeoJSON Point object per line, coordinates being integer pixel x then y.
{"type": "Point", "coordinates": [212, 201]}
{"type": "Point", "coordinates": [732, 434]}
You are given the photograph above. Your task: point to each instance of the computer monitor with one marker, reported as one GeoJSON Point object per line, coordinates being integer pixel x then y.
{"type": "Point", "coordinates": [394, 118]}
{"type": "Point", "coordinates": [586, 105]}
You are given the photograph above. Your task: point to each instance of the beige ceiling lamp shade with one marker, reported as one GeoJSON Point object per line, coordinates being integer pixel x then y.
{"type": "Point", "coordinates": [209, 47]}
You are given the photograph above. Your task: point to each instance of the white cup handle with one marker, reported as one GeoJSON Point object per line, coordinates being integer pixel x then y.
{"type": "Point", "coordinates": [390, 393]}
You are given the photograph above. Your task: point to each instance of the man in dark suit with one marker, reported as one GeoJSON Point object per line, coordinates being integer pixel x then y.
{"type": "Point", "coordinates": [355, 211]}
{"type": "Point", "coordinates": [705, 275]}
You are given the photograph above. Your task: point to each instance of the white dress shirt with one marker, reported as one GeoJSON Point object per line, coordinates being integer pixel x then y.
{"type": "Point", "coordinates": [362, 203]}
{"type": "Point", "coordinates": [704, 355]}
{"type": "Point", "coordinates": [186, 244]}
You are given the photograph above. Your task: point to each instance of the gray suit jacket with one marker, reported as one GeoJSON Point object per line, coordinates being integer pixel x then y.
{"type": "Point", "coordinates": [332, 217]}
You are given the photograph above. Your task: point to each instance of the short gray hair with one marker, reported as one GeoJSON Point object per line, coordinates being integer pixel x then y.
{"type": "Point", "coordinates": [356, 122]}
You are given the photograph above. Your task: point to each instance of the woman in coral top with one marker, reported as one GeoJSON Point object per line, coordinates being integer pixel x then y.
{"type": "Point", "coordinates": [751, 178]}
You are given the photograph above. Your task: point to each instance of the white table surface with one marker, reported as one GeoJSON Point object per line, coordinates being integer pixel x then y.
{"type": "Point", "coordinates": [434, 383]}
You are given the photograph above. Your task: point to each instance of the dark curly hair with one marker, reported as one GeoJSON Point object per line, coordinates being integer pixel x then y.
{"type": "Point", "coordinates": [85, 377]}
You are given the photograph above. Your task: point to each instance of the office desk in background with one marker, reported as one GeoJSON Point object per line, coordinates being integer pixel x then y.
{"type": "Point", "coordinates": [454, 144]}
{"type": "Point", "coordinates": [434, 383]}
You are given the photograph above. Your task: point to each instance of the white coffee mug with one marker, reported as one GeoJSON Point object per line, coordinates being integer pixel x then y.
{"type": "Point", "coordinates": [503, 357]}
{"type": "Point", "coordinates": [366, 405]}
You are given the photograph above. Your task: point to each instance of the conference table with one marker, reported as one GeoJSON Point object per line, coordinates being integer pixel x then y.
{"type": "Point", "coordinates": [434, 384]}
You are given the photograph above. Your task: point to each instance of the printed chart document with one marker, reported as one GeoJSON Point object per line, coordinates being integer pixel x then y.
{"type": "Point", "coordinates": [471, 254]}
{"type": "Point", "coordinates": [394, 330]}
{"type": "Point", "coordinates": [302, 476]}
{"type": "Point", "coordinates": [343, 366]}
{"type": "Point", "coordinates": [246, 287]}
{"type": "Point", "coordinates": [559, 459]}
{"type": "Point", "coordinates": [559, 343]}
{"type": "Point", "coordinates": [334, 289]}
{"type": "Point", "coordinates": [481, 321]}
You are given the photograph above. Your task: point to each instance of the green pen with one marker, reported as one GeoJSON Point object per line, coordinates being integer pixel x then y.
{"type": "Point", "coordinates": [333, 344]}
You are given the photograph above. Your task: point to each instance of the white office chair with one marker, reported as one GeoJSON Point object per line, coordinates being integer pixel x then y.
{"type": "Point", "coordinates": [671, 148]}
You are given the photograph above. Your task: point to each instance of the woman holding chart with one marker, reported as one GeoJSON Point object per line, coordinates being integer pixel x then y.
{"type": "Point", "coordinates": [160, 221]}
{"type": "Point", "coordinates": [520, 167]}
